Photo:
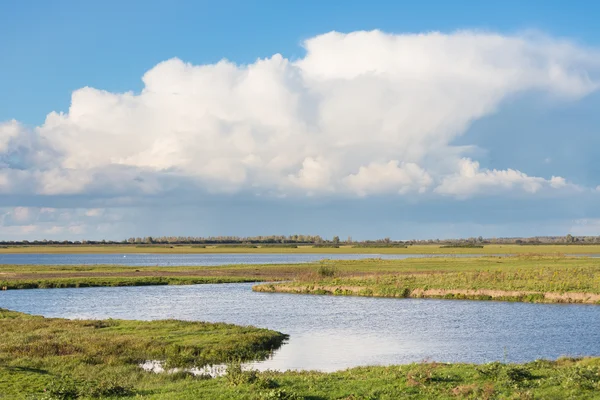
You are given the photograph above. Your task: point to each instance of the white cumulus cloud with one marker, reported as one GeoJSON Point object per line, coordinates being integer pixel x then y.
{"type": "Point", "coordinates": [472, 180]}
{"type": "Point", "coordinates": [361, 113]}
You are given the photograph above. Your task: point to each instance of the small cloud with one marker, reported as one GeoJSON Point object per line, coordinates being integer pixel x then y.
{"type": "Point", "coordinates": [25, 229]}
{"type": "Point", "coordinates": [20, 214]}
{"type": "Point", "coordinates": [76, 229]}
{"type": "Point", "coordinates": [472, 180]}
{"type": "Point", "coordinates": [94, 212]}
{"type": "Point", "coordinates": [54, 230]}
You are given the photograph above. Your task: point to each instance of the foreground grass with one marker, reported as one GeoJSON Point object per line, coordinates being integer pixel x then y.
{"type": "Point", "coordinates": [343, 249]}
{"type": "Point", "coordinates": [43, 358]}
{"type": "Point", "coordinates": [100, 358]}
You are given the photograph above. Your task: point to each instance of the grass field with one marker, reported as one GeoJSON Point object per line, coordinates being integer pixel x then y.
{"type": "Point", "coordinates": [79, 358]}
{"type": "Point", "coordinates": [61, 276]}
{"type": "Point", "coordinates": [516, 278]}
{"type": "Point", "coordinates": [417, 249]}
{"type": "Point", "coordinates": [42, 358]}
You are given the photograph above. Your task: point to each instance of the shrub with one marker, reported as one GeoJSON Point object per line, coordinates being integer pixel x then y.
{"type": "Point", "coordinates": [517, 374]}
{"type": "Point", "coordinates": [327, 271]}
{"type": "Point", "coordinates": [582, 377]}
{"type": "Point", "coordinates": [263, 382]}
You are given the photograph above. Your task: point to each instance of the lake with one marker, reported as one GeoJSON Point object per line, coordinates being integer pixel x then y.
{"type": "Point", "coordinates": [331, 333]}
{"type": "Point", "coordinates": [142, 259]}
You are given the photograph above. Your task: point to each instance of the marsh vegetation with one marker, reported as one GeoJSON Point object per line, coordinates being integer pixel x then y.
{"type": "Point", "coordinates": [98, 358]}
{"type": "Point", "coordinates": [536, 278]}
{"type": "Point", "coordinates": [522, 278]}
{"type": "Point", "coordinates": [85, 359]}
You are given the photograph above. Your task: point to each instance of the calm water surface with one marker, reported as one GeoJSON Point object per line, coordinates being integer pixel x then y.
{"type": "Point", "coordinates": [195, 259]}
{"type": "Point", "coordinates": [331, 333]}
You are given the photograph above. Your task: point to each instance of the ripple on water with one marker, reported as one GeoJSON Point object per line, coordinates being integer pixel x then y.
{"type": "Point", "coordinates": [330, 333]}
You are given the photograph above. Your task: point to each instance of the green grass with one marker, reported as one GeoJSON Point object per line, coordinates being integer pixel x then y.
{"type": "Point", "coordinates": [525, 278]}
{"type": "Point", "coordinates": [80, 282]}
{"type": "Point", "coordinates": [62, 276]}
{"type": "Point", "coordinates": [564, 379]}
{"type": "Point", "coordinates": [520, 278]}
{"type": "Point", "coordinates": [38, 353]}
{"type": "Point", "coordinates": [50, 358]}
{"type": "Point", "coordinates": [308, 249]}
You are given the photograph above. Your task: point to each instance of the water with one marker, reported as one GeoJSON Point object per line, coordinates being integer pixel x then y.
{"type": "Point", "coordinates": [332, 333]}
{"type": "Point", "coordinates": [196, 259]}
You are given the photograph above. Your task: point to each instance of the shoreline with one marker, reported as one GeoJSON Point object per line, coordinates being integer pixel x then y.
{"type": "Point", "coordinates": [448, 294]}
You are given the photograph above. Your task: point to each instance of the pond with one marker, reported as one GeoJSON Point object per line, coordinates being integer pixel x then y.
{"type": "Point", "coordinates": [331, 333]}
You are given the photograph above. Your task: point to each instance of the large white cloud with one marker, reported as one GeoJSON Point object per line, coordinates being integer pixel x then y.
{"type": "Point", "coordinates": [362, 113]}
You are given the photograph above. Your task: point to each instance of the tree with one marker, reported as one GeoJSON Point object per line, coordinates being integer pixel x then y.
{"type": "Point", "coordinates": [336, 240]}
{"type": "Point", "coordinates": [569, 238]}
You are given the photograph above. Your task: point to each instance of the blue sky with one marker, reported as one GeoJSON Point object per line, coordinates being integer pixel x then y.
{"type": "Point", "coordinates": [490, 132]}
{"type": "Point", "coordinates": [50, 48]}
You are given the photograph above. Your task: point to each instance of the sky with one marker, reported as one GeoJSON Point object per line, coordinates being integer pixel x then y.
{"type": "Point", "coordinates": [409, 120]}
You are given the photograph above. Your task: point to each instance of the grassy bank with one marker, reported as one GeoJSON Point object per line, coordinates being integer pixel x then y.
{"type": "Point", "coordinates": [62, 276]}
{"type": "Point", "coordinates": [266, 249]}
{"type": "Point", "coordinates": [96, 358]}
{"type": "Point", "coordinates": [524, 278]}
{"type": "Point", "coordinates": [81, 282]}
{"type": "Point", "coordinates": [47, 358]}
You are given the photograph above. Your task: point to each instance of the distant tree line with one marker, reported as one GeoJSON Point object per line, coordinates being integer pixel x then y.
{"type": "Point", "coordinates": [278, 240]}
